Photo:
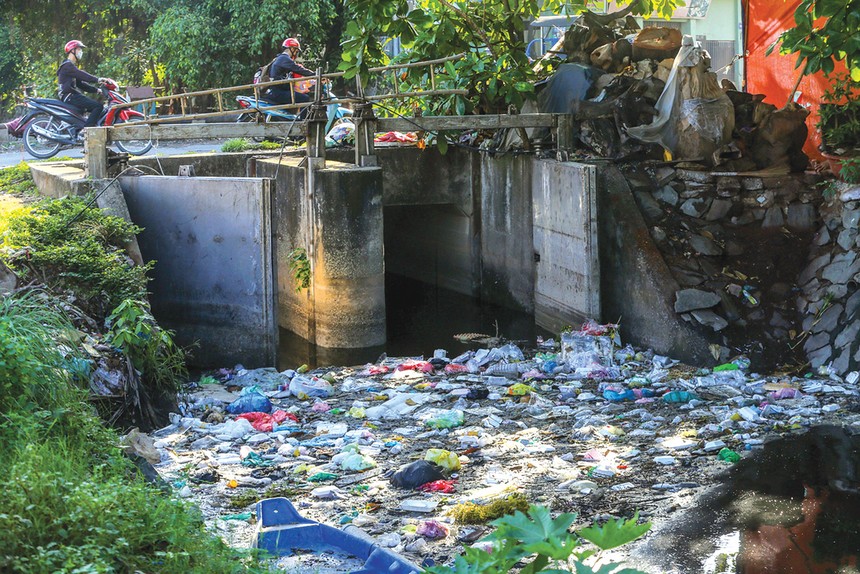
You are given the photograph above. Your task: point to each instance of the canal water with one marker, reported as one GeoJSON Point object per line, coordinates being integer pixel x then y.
{"type": "Point", "coordinates": [791, 508]}
{"type": "Point", "coordinates": [420, 319]}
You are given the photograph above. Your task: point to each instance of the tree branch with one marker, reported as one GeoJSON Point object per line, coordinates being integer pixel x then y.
{"type": "Point", "coordinates": [472, 24]}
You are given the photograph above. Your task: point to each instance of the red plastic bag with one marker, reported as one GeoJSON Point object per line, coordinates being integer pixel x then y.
{"type": "Point", "coordinates": [455, 369]}
{"type": "Point", "coordinates": [265, 422]}
{"type": "Point", "coordinates": [445, 486]}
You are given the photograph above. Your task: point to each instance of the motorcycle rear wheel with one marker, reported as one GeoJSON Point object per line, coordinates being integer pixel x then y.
{"type": "Point", "coordinates": [133, 147]}
{"type": "Point", "coordinates": [39, 146]}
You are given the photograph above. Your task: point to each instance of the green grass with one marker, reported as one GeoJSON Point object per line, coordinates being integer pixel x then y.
{"type": "Point", "coordinates": [72, 502]}
{"type": "Point", "coordinates": [17, 180]}
{"type": "Point", "coordinates": [242, 144]}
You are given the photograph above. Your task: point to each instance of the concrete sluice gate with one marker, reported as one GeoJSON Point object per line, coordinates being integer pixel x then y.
{"type": "Point", "coordinates": [513, 231]}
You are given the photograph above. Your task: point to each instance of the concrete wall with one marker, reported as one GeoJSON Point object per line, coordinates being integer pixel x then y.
{"type": "Point", "coordinates": [637, 287]}
{"type": "Point", "coordinates": [567, 280]}
{"type": "Point", "coordinates": [507, 254]}
{"type": "Point", "coordinates": [341, 228]}
{"type": "Point", "coordinates": [213, 281]}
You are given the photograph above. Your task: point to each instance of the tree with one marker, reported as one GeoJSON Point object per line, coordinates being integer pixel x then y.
{"type": "Point", "coordinates": [494, 68]}
{"type": "Point", "coordinates": [221, 42]}
{"type": "Point", "coordinates": [826, 31]}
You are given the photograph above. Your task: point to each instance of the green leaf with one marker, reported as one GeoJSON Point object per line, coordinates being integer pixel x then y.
{"type": "Point", "coordinates": [442, 144]}
{"type": "Point", "coordinates": [616, 532]}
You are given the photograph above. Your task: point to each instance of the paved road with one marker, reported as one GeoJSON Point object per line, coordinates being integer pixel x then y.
{"type": "Point", "coordinates": [9, 158]}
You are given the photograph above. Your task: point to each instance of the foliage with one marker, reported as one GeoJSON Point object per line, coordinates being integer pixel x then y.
{"type": "Point", "coordinates": [494, 68]}
{"type": "Point", "coordinates": [548, 542]}
{"type": "Point", "coordinates": [301, 267]}
{"type": "Point", "coordinates": [221, 42]}
{"type": "Point", "coordinates": [850, 170]}
{"type": "Point", "coordinates": [826, 31]}
{"type": "Point", "coordinates": [17, 180]}
{"type": "Point", "coordinates": [236, 145]}
{"type": "Point", "coordinates": [132, 329]}
{"type": "Point", "coordinates": [67, 245]}
{"type": "Point", "coordinates": [839, 115]}
{"type": "Point", "coordinates": [471, 513]}
{"type": "Point", "coordinates": [72, 502]}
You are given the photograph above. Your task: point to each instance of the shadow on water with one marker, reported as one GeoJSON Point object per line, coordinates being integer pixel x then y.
{"type": "Point", "coordinates": [420, 319]}
{"type": "Point", "coordinates": [793, 507]}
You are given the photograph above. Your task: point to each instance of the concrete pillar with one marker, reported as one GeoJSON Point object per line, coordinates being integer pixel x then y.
{"type": "Point", "coordinates": [348, 266]}
{"type": "Point", "coordinates": [95, 150]}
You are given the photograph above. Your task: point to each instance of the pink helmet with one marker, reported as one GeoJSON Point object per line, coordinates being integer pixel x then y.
{"type": "Point", "coordinates": [292, 43]}
{"type": "Point", "coordinates": [74, 45]}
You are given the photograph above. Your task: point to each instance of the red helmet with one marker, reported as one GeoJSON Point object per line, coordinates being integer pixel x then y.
{"type": "Point", "coordinates": [292, 43]}
{"type": "Point", "coordinates": [74, 45]}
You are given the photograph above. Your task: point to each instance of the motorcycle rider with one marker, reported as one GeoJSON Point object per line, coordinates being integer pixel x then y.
{"type": "Point", "coordinates": [284, 66]}
{"type": "Point", "coordinates": [68, 75]}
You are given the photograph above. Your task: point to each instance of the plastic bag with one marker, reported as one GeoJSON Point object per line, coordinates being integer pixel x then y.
{"type": "Point", "coordinates": [141, 445]}
{"type": "Point", "coordinates": [444, 458]}
{"type": "Point", "coordinates": [265, 422]}
{"type": "Point", "coordinates": [444, 486]}
{"type": "Point", "coordinates": [306, 387]}
{"type": "Point", "coordinates": [250, 400]}
{"type": "Point", "coordinates": [415, 474]}
{"type": "Point", "coordinates": [433, 529]}
{"type": "Point", "coordinates": [680, 397]}
{"type": "Point", "coordinates": [446, 420]}
{"type": "Point", "coordinates": [357, 462]}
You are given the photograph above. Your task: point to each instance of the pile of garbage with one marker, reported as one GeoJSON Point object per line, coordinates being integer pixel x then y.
{"type": "Point", "coordinates": [631, 88]}
{"type": "Point", "coordinates": [421, 452]}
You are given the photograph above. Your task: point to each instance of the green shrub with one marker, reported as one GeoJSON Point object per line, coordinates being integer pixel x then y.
{"type": "Point", "coordinates": [72, 502]}
{"type": "Point", "coordinates": [67, 245]}
{"type": "Point", "coordinates": [133, 329]}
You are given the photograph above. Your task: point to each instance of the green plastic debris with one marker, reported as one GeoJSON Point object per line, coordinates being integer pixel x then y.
{"type": "Point", "coordinates": [323, 476]}
{"type": "Point", "coordinates": [207, 380]}
{"type": "Point", "coordinates": [726, 367]}
{"type": "Point", "coordinates": [243, 516]}
{"type": "Point", "coordinates": [336, 411]}
{"type": "Point", "coordinates": [446, 420]}
{"type": "Point", "coordinates": [254, 460]}
{"type": "Point", "coordinates": [729, 455]}
{"type": "Point", "coordinates": [680, 397]}
{"type": "Point", "coordinates": [303, 369]}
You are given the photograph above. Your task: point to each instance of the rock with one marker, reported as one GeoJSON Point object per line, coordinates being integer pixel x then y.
{"type": "Point", "coordinates": [663, 175]}
{"type": "Point", "coordinates": [779, 291]}
{"type": "Point", "coordinates": [777, 320]}
{"type": "Point", "coordinates": [658, 234]}
{"type": "Point", "coordinates": [852, 305]}
{"type": "Point", "coordinates": [829, 319]}
{"type": "Point", "coordinates": [819, 357]}
{"type": "Point", "coordinates": [696, 190]}
{"type": "Point", "coordinates": [728, 183]}
{"type": "Point", "coordinates": [752, 183]}
{"type": "Point", "coordinates": [822, 237]}
{"type": "Point", "coordinates": [8, 280]}
{"type": "Point", "coordinates": [666, 194]}
{"type": "Point", "coordinates": [704, 246]}
{"type": "Point", "coordinates": [816, 342]}
{"type": "Point", "coordinates": [687, 278]}
{"type": "Point", "coordinates": [773, 218]}
{"type": "Point", "coordinates": [850, 218]}
{"type": "Point", "coordinates": [848, 334]}
{"type": "Point", "coordinates": [709, 319]}
{"type": "Point", "coordinates": [839, 291]}
{"type": "Point", "coordinates": [690, 299]}
{"type": "Point", "coordinates": [694, 207]}
{"type": "Point", "coordinates": [744, 218]}
{"type": "Point", "coordinates": [694, 176]}
{"type": "Point", "coordinates": [845, 240]}
{"type": "Point", "coordinates": [842, 362]}
{"type": "Point", "coordinates": [719, 209]}
{"type": "Point", "coordinates": [842, 268]}
{"type": "Point", "coordinates": [650, 208]}
{"type": "Point", "coordinates": [812, 269]}
{"type": "Point", "coordinates": [763, 199]}
{"type": "Point", "coordinates": [801, 216]}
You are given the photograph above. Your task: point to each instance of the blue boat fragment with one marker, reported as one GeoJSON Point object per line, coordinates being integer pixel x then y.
{"type": "Point", "coordinates": [281, 530]}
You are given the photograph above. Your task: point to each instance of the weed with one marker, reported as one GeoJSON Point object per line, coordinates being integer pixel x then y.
{"type": "Point", "coordinates": [471, 513]}
{"type": "Point", "coordinates": [66, 245]}
{"type": "Point", "coordinates": [17, 180]}
{"type": "Point", "coordinates": [235, 145]}
{"type": "Point", "coordinates": [133, 329]}
{"type": "Point", "coordinates": [301, 267]}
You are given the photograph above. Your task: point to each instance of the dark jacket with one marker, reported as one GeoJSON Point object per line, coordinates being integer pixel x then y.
{"type": "Point", "coordinates": [284, 67]}
{"type": "Point", "coordinates": [68, 75]}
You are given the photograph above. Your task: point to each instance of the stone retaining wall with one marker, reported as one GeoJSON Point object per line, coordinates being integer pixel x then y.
{"type": "Point", "coordinates": [829, 299]}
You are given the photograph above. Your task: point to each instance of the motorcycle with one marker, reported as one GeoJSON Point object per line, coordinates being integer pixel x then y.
{"type": "Point", "coordinates": [51, 125]}
{"type": "Point", "coordinates": [256, 107]}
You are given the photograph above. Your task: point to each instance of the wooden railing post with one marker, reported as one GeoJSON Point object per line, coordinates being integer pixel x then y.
{"type": "Point", "coordinates": [95, 150]}
{"type": "Point", "coordinates": [564, 137]}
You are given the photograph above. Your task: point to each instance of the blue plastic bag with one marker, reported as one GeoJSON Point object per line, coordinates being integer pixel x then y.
{"type": "Point", "coordinates": [250, 401]}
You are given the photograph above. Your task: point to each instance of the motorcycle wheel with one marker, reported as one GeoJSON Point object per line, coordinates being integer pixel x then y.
{"type": "Point", "coordinates": [39, 146]}
{"type": "Point", "coordinates": [133, 147]}
{"type": "Point", "coordinates": [248, 118]}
